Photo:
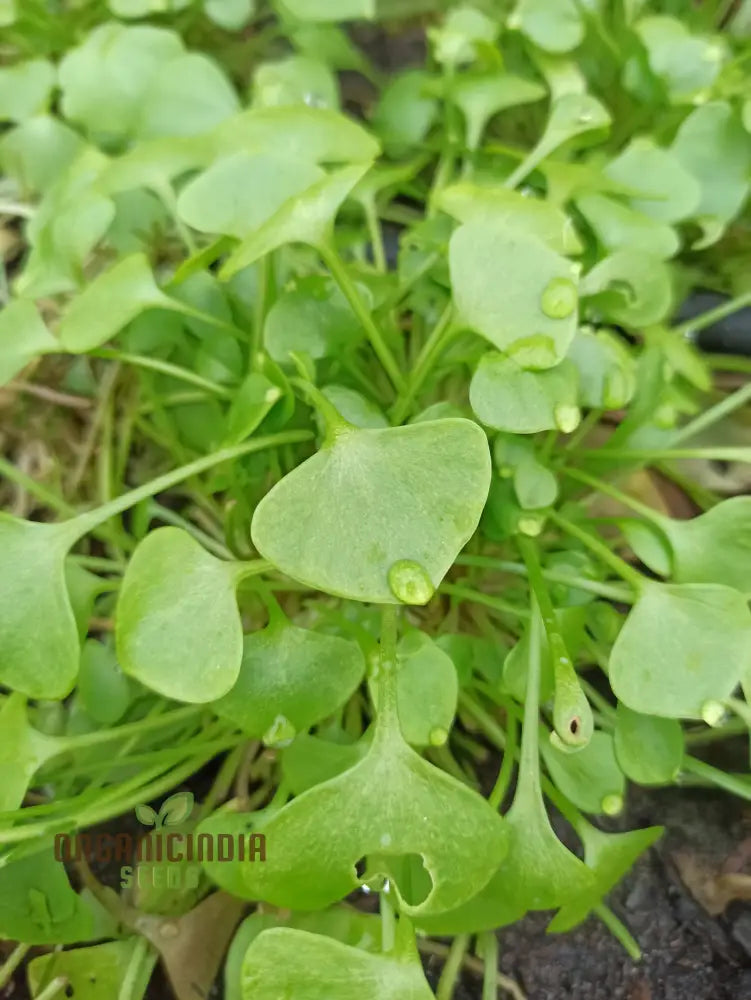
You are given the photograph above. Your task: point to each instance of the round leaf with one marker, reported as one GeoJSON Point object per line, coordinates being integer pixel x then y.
{"type": "Point", "coordinates": [509, 398]}
{"type": "Point", "coordinates": [649, 749]}
{"type": "Point", "coordinates": [362, 490]}
{"type": "Point", "coordinates": [178, 628]}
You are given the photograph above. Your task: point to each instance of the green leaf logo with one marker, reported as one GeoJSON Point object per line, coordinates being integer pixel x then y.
{"type": "Point", "coordinates": [174, 811]}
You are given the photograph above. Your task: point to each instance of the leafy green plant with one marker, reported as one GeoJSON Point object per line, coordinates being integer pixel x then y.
{"type": "Point", "coordinates": [371, 406]}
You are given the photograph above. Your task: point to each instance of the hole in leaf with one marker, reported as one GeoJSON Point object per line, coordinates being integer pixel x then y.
{"type": "Point", "coordinates": [69, 991]}
{"type": "Point", "coordinates": [361, 867]}
{"type": "Point", "coordinates": [408, 873]}
{"type": "Point", "coordinates": [574, 725]}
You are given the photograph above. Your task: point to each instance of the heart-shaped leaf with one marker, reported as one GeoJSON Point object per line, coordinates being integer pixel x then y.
{"type": "Point", "coordinates": [666, 190]}
{"type": "Point", "coordinates": [649, 749]}
{"type": "Point", "coordinates": [515, 291]}
{"type": "Point", "coordinates": [93, 973]}
{"type": "Point", "coordinates": [509, 398]}
{"type": "Point", "coordinates": [38, 905]}
{"type": "Point", "coordinates": [482, 95]}
{"type": "Point", "coordinates": [590, 777]}
{"type": "Point", "coordinates": [681, 646]}
{"type": "Point", "coordinates": [307, 218]}
{"type": "Point", "coordinates": [687, 64]}
{"type": "Point", "coordinates": [177, 626]}
{"type": "Point", "coordinates": [279, 961]}
{"type": "Point", "coordinates": [419, 810]}
{"type": "Point", "coordinates": [608, 856]}
{"type": "Point", "coordinates": [240, 192]}
{"type": "Point", "coordinates": [361, 490]}
{"type": "Point", "coordinates": [313, 317]}
{"type": "Point", "coordinates": [290, 674]}
{"type": "Point", "coordinates": [511, 210]}
{"type": "Point", "coordinates": [39, 646]}
{"type": "Point", "coordinates": [619, 227]}
{"type": "Point", "coordinates": [554, 27]}
{"type": "Point", "coordinates": [23, 337]}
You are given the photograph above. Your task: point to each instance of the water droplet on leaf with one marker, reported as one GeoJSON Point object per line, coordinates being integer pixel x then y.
{"type": "Point", "coordinates": [559, 298]}
{"type": "Point", "coordinates": [385, 840]}
{"type": "Point", "coordinates": [280, 733]}
{"type": "Point", "coordinates": [530, 524]}
{"type": "Point", "coordinates": [612, 805]}
{"type": "Point", "coordinates": [410, 583]}
{"type": "Point", "coordinates": [438, 736]}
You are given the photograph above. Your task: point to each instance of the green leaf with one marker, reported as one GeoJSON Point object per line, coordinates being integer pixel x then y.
{"type": "Point", "coordinates": [23, 750]}
{"type": "Point", "coordinates": [308, 218]}
{"type": "Point", "coordinates": [23, 337]}
{"type": "Point", "coordinates": [356, 409]}
{"type": "Point", "coordinates": [295, 80]}
{"type": "Point", "coordinates": [681, 646]}
{"type": "Point", "coordinates": [714, 148]}
{"type": "Point", "coordinates": [687, 64]}
{"type": "Point", "coordinates": [252, 402]}
{"type": "Point", "coordinates": [177, 626]}
{"type": "Point", "coordinates": [310, 760]}
{"type": "Point", "coordinates": [534, 484]}
{"type": "Point", "coordinates": [406, 110]}
{"type": "Point", "coordinates": [509, 398]}
{"type": "Point", "coordinates": [38, 905]}
{"type": "Point", "coordinates": [390, 805]}
{"type": "Point", "coordinates": [607, 371]}
{"type": "Point", "coordinates": [590, 777]}
{"type": "Point", "coordinates": [313, 317]}
{"type": "Point", "coordinates": [188, 96]}
{"type": "Point", "coordinates": [331, 10]}
{"type": "Point", "coordinates": [232, 15]}
{"type": "Point", "coordinates": [554, 27]}
{"type": "Point", "coordinates": [609, 856]}
{"type": "Point", "coordinates": [514, 291]}
{"type": "Point", "coordinates": [279, 961]}
{"type": "Point", "coordinates": [464, 32]}
{"type": "Point", "coordinates": [629, 288]}
{"type": "Point", "coordinates": [290, 674]}
{"type": "Point", "coordinates": [427, 690]}
{"type": "Point", "coordinates": [34, 602]}
{"type": "Point", "coordinates": [714, 547]}
{"type": "Point", "coordinates": [238, 194]}
{"type": "Point", "coordinates": [666, 190]}
{"type": "Point", "coordinates": [618, 227]}
{"type": "Point", "coordinates": [103, 689]}
{"type": "Point", "coordinates": [482, 95]}
{"type": "Point", "coordinates": [361, 489]}
{"type": "Point", "coordinates": [511, 210]}
{"type": "Point", "coordinates": [95, 973]}
{"type": "Point", "coordinates": [142, 8]}
{"type": "Point", "coordinates": [649, 749]}
{"type": "Point", "coordinates": [25, 89]}
{"type": "Point", "coordinates": [124, 61]}
{"type": "Point", "coordinates": [38, 152]}
{"type": "Point", "coordinates": [176, 809]}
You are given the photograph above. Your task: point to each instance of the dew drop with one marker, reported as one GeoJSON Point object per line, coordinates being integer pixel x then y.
{"type": "Point", "coordinates": [612, 804]}
{"type": "Point", "coordinates": [559, 298]}
{"type": "Point", "coordinates": [712, 712]}
{"type": "Point", "coordinates": [385, 840]}
{"type": "Point", "coordinates": [438, 736]}
{"type": "Point", "coordinates": [280, 733]}
{"type": "Point", "coordinates": [410, 583]}
{"type": "Point", "coordinates": [566, 417]}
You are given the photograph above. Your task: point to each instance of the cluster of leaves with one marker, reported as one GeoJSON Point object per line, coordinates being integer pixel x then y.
{"type": "Point", "coordinates": [404, 368]}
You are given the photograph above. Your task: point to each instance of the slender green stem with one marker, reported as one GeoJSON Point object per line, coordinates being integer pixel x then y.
{"type": "Point", "coordinates": [647, 455]}
{"type": "Point", "coordinates": [11, 963]}
{"type": "Point", "coordinates": [91, 519]}
{"type": "Point", "coordinates": [606, 590]}
{"type": "Point", "coordinates": [36, 489]}
{"type": "Point", "coordinates": [53, 989]}
{"type": "Point", "coordinates": [452, 968]}
{"type": "Point", "coordinates": [101, 736]}
{"type": "Point", "coordinates": [599, 548]}
{"type": "Point", "coordinates": [492, 729]}
{"type": "Point", "coordinates": [388, 922]}
{"type": "Point", "coordinates": [423, 365]}
{"type": "Point", "coordinates": [619, 931]}
{"type": "Point", "coordinates": [376, 234]}
{"type": "Point", "coordinates": [601, 486]}
{"type": "Point", "coordinates": [339, 271]}
{"type": "Point", "coordinates": [490, 951]}
{"type": "Point", "coordinates": [141, 963]}
{"type": "Point", "coordinates": [714, 414]}
{"type": "Point", "coordinates": [503, 781]}
{"type": "Point", "coordinates": [467, 594]}
{"type": "Point", "coordinates": [712, 316]}
{"type": "Point", "coordinates": [388, 718]}
{"type": "Point", "coordinates": [735, 784]}
{"type": "Point", "coordinates": [164, 368]}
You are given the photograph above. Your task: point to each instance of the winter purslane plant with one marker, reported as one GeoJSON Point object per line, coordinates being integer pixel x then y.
{"type": "Point", "coordinates": [366, 508]}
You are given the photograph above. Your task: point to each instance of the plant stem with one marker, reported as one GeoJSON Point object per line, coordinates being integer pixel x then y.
{"type": "Point", "coordinates": [340, 274]}
{"type": "Point", "coordinates": [619, 931]}
{"type": "Point", "coordinates": [501, 787]}
{"type": "Point", "coordinates": [388, 922]}
{"type": "Point", "coordinates": [100, 736]}
{"type": "Point", "coordinates": [601, 486]}
{"type": "Point", "coordinates": [647, 455]}
{"type": "Point", "coordinates": [715, 413]}
{"type": "Point", "coordinates": [143, 956]}
{"type": "Point", "coordinates": [165, 368]}
{"type": "Point", "coordinates": [91, 519]}
{"type": "Point", "coordinates": [36, 489]}
{"type": "Point", "coordinates": [712, 316]}
{"type": "Point", "coordinates": [599, 548]}
{"type": "Point", "coordinates": [11, 963]}
{"type": "Point", "coordinates": [488, 724]}
{"type": "Point", "coordinates": [53, 989]}
{"type": "Point", "coordinates": [376, 234]}
{"type": "Point", "coordinates": [490, 958]}
{"type": "Point", "coordinates": [606, 590]}
{"type": "Point", "coordinates": [452, 968]}
{"type": "Point", "coordinates": [423, 365]}
{"type": "Point", "coordinates": [732, 783]}
{"type": "Point", "coordinates": [467, 594]}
